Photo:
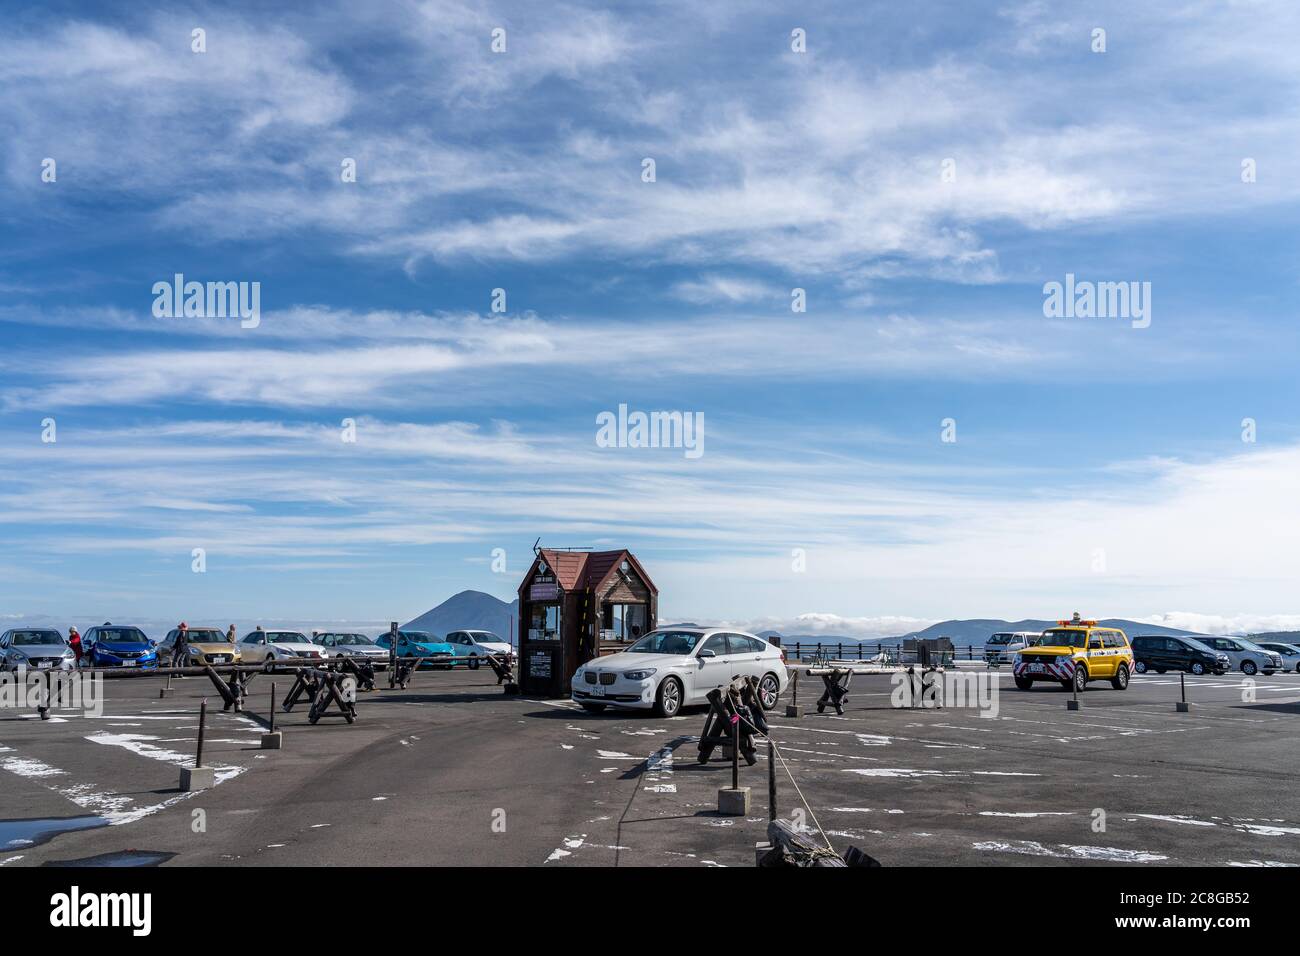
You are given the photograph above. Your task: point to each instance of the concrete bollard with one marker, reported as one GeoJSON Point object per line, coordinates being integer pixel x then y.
{"type": "Point", "coordinates": [1181, 706]}
{"type": "Point", "coordinates": [733, 801]}
{"type": "Point", "coordinates": [271, 740]}
{"type": "Point", "coordinates": [793, 709]}
{"type": "Point", "coordinates": [199, 777]}
{"type": "Point", "coordinates": [166, 691]}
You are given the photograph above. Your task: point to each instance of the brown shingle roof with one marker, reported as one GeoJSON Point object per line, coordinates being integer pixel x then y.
{"type": "Point", "coordinates": [587, 569]}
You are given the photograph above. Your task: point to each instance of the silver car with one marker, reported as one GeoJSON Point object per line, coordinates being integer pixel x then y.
{"type": "Point", "coordinates": [1246, 656]}
{"type": "Point", "coordinates": [35, 649]}
{"type": "Point", "coordinates": [337, 644]}
{"type": "Point", "coordinates": [1290, 654]}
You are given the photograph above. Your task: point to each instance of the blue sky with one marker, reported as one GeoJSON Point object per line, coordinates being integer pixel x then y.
{"type": "Point", "coordinates": [1097, 466]}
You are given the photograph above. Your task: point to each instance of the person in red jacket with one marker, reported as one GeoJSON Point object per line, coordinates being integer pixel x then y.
{"type": "Point", "coordinates": [74, 641]}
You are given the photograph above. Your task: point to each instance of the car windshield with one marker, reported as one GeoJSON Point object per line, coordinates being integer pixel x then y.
{"type": "Point", "coordinates": [121, 635]}
{"type": "Point", "coordinates": [1250, 645]}
{"type": "Point", "coordinates": [485, 637]}
{"type": "Point", "coordinates": [349, 640]}
{"type": "Point", "coordinates": [420, 637]}
{"type": "Point", "coordinates": [666, 642]}
{"type": "Point", "coordinates": [286, 637]}
{"type": "Point", "coordinates": [1196, 645]}
{"type": "Point", "coordinates": [29, 638]}
{"type": "Point", "coordinates": [1064, 637]}
{"type": "Point", "coordinates": [205, 635]}
{"type": "Point", "coordinates": [1000, 639]}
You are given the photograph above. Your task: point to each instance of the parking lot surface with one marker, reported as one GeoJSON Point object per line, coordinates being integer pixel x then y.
{"type": "Point", "coordinates": [452, 771]}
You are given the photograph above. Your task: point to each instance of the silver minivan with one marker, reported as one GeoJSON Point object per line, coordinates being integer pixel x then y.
{"type": "Point", "coordinates": [1246, 656]}
{"type": "Point", "coordinates": [1290, 654]}
{"type": "Point", "coordinates": [1004, 645]}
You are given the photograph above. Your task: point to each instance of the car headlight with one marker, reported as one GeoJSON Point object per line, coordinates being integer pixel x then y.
{"type": "Point", "coordinates": [639, 675]}
{"type": "Point", "coordinates": [68, 655]}
{"type": "Point", "coordinates": [1017, 658]}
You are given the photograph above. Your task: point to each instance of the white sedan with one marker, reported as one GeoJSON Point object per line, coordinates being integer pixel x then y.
{"type": "Point", "coordinates": [257, 647]}
{"type": "Point", "coordinates": [677, 666]}
{"type": "Point", "coordinates": [473, 645]}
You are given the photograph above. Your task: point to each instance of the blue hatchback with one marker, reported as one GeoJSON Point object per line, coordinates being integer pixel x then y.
{"type": "Point", "coordinates": [421, 644]}
{"type": "Point", "coordinates": [112, 646]}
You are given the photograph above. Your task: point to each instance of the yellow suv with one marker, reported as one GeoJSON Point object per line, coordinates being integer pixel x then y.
{"type": "Point", "coordinates": [1073, 653]}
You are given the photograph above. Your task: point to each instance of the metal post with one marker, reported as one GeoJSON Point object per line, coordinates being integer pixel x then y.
{"type": "Point", "coordinates": [771, 779]}
{"type": "Point", "coordinates": [794, 691]}
{"type": "Point", "coordinates": [392, 654]}
{"type": "Point", "coordinates": [1182, 686]}
{"type": "Point", "coordinates": [272, 707]}
{"type": "Point", "coordinates": [203, 719]}
{"type": "Point", "coordinates": [735, 751]}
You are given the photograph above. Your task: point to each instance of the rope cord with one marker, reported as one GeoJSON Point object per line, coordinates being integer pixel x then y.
{"type": "Point", "coordinates": [786, 767]}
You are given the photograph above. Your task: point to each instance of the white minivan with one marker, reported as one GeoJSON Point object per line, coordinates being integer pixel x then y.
{"type": "Point", "coordinates": [677, 666]}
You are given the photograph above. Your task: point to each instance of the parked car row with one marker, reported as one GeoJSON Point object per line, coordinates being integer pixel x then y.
{"type": "Point", "coordinates": [1078, 651]}
{"type": "Point", "coordinates": [110, 645]}
{"type": "Point", "coordinates": [1201, 654]}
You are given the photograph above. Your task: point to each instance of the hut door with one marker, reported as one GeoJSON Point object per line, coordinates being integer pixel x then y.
{"type": "Point", "coordinates": [542, 653]}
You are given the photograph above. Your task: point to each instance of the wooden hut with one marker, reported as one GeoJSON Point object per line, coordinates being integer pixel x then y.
{"type": "Point", "coordinates": [574, 605]}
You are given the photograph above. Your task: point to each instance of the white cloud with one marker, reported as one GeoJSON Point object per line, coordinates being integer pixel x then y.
{"type": "Point", "coordinates": [1225, 623]}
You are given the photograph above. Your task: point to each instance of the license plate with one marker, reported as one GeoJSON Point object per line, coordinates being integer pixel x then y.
{"type": "Point", "coordinates": [1036, 668]}
{"type": "Point", "coordinates": [128, 664]}
{"type": "Point", "coordinates": [598, 691]}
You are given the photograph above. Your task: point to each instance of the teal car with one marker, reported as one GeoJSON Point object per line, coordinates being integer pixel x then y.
{"type": "Point", "coordinates": [420, 644]}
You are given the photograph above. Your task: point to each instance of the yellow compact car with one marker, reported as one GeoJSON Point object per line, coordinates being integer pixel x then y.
{"type": "Point", "coordinates": [207, 645]}
{"type": "Point", "coordinates": [1073, 653]}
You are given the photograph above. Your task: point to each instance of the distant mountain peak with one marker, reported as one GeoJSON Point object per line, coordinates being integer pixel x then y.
{"type": "Point", "coordinates": [470, 611]}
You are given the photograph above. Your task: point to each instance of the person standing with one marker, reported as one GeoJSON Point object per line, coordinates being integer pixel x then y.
{"type": "Point", "coordinates": [74, 642]}
{"type": "Point", "coordinates": [230, 634]}
{"type": "Point", "coordinates": [181, 646]}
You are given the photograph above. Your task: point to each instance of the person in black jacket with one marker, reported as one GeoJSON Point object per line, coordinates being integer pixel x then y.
{"type": "Point", "coordinates": [181, 646]}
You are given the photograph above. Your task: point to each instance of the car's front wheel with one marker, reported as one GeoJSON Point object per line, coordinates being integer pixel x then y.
{"type": "Point", "coordinates": [1248, 668]}
{"type": "Point", "coordinates": [668, 700]}
{"type": "Point", "coordinates": [1080, 678]}
{"type": "Point", "coordinates": [1140, 667]}
{"type": "Point", "coordinates": [1120, 680]}
{"type": "Point", "coordinates": [769, 691]}
{"type": "Point", "coordinates": [473, 662]}
{"type": "Point", "coordinates": [1198, 669]}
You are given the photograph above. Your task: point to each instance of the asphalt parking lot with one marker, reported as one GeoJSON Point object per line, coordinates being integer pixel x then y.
{"type": "Point", "coordinates": [453, 771]}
